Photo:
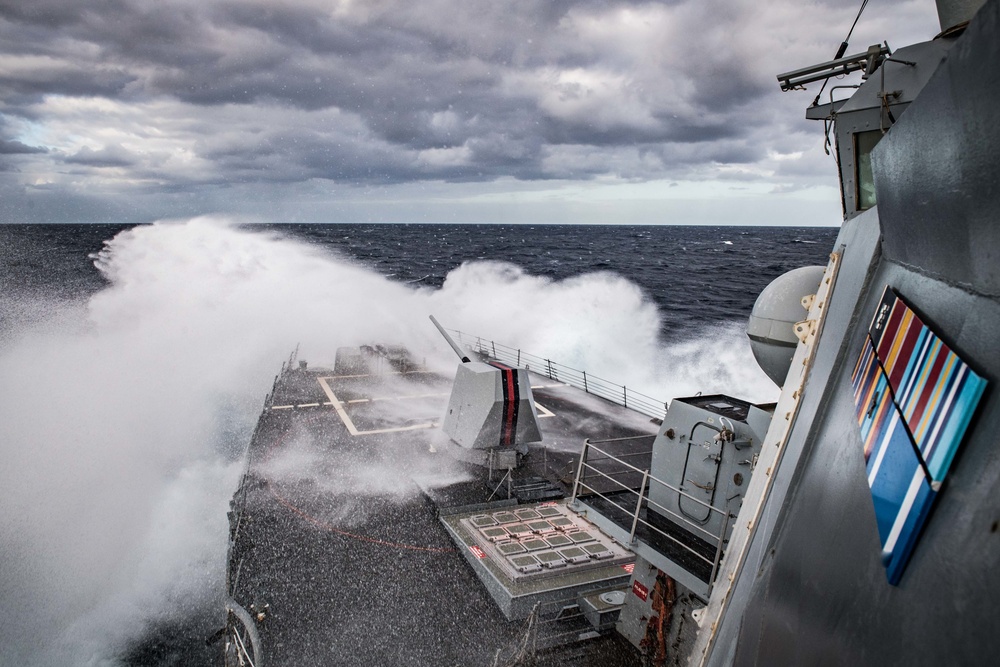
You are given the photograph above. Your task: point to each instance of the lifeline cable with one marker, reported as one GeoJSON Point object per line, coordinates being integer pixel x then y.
{"type": "Point", "coordinates": [843, 47]}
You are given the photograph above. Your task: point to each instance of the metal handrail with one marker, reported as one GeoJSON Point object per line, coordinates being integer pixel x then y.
{"type": "Point", "coordinates": [641, 496]}
{"type": "Point", "coordinates": [646, 477]}
{"type": "Point", "coordinates": [625, 439]}
{"type": "Point", "coordinates": [588, 444]}
{"type": "Point", "coordinates": [647, 524]}
{"type": "Point", "coordinates": [591, 384]}
{"type": "Point", "coordinates": [683, 519]}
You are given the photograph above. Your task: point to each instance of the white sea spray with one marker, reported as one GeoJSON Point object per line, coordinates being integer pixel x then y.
{"type": "Point", "coordinates": [122, 416]}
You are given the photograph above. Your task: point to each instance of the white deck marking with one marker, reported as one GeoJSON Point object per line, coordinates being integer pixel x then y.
{"type": "Point", "coordinates": [349, 423]}
{"type": "Point", "coordinates": [338, 405]}
{"type": "Point", "coordinates": [368, 375]}
{"type": "Point", "coordinates": [335, 402]}
{"type": "Point", "coordinates": [395, 398]}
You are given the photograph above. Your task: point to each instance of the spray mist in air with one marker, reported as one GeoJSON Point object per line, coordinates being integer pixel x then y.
{"type": "Point", "coordinates": [124, 416]}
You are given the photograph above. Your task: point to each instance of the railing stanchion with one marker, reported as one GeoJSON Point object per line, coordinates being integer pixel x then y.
{"type": "Point", "coordinates": [638, 506]}
{"type": "Point", "coordinates": [604, 389]}
{"type": "Point", "coordinates": [579, 471]}
{"type": "Point", "coordinates": [718, 551]}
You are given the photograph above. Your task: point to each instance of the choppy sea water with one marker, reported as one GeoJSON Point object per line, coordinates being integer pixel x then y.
{"type": "Point", "coordinates": [694, 274]}
{"type": "Point", "coordinates": [133, 363]}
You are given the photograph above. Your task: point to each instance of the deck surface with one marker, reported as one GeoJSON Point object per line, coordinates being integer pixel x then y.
{"type": "Point", "coordinates": [339, 533]}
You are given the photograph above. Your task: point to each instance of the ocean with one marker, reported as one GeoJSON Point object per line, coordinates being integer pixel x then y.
{"type": "Point", "coordinates": [696, 275]}
{"type": "Point", "coordinates": [134, 361]}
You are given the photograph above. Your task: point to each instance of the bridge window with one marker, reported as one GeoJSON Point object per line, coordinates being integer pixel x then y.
{"type": "Point", "coordinates": [864, 142]}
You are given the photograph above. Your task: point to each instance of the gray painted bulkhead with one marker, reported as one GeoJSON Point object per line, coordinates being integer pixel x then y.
{"type": "Point", "coordinates": [898, 82]}
{"type": "Point", "coordinates": [688, 456]}
{"type": "Point", "coordinates": [814, 590]}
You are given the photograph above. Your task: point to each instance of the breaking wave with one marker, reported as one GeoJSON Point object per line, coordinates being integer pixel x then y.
{"type": "Point", "coordinates": [124, 416]}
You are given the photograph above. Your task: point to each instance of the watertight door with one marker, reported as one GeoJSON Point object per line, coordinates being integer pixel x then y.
{"type": "Point", "coordinates": [701, 472]}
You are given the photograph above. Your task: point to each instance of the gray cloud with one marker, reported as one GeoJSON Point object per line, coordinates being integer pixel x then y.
{"type": "Point", "coordinates": [111, 156]}
{"type": "Point", "coordinates": [129, 96]}
{"type": "Point", "coordinates": [17, 148]}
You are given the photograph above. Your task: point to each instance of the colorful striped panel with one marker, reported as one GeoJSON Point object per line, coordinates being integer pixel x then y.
{"type": "Point", "coordinates": [935, 390]}
{"type": "Point", "coordinates": [901, 492]}
{"type": "Point", "coordinates": [914, 399]}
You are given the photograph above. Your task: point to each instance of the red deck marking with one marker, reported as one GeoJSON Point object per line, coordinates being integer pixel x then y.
{"type": "Point", "coordinates": [364, 538]}
{"type": "Point", "coordinates": [333, 529]}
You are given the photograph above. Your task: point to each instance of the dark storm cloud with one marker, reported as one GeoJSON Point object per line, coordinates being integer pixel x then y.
{"type": "Point", "coordinates": [210, 92]}
{"type": "Point", "coordinates": [17, 148]}
{"type": "Point", "coordinates": [34, 83]}
{"type": "Point", "coordinates": [112, 156]}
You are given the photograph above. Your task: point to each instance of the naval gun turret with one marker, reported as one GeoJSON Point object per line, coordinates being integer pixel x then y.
{"type": "Point", "coordinates": [491, 412]}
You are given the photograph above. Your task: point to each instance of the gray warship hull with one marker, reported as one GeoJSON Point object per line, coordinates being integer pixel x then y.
{"type": "Point", "coordinates": [812, 586]}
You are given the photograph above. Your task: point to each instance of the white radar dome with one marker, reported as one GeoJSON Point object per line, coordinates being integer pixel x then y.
{"type": "Point", "coordinates": [777, 309]}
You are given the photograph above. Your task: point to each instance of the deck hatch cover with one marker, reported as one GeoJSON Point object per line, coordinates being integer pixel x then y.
{"type": "Point", "coordinates": [482, 521]}
{"type": "Point", "coordinates": [510, 548]}
{"type": "Point", "coordinates": [551, 559]}
{"type": "Point", "coordinates": [558, 541]}
{"type": "Point", "coordinates": [494, 534]}
{"type": "Point", "coordinates": [534, 544]}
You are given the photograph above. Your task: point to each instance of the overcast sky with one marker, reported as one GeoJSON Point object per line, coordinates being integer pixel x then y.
{"type": "Point", "coordinates": [423, 110]}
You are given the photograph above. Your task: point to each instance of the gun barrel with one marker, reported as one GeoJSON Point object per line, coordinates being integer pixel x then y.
{"type": "Point", "coordinates": [451, 341]}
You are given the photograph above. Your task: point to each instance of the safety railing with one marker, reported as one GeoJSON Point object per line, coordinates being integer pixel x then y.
{"type": "Point", "coordinates": [591, 384]}
{"type": "Point", "coordinates": [550, 624]}
{"type": "Point", "coordinates": [626, 487]}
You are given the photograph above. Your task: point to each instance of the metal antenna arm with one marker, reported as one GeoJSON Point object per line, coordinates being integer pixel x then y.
{"type": "Point", "coordinates": [867, 61]}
